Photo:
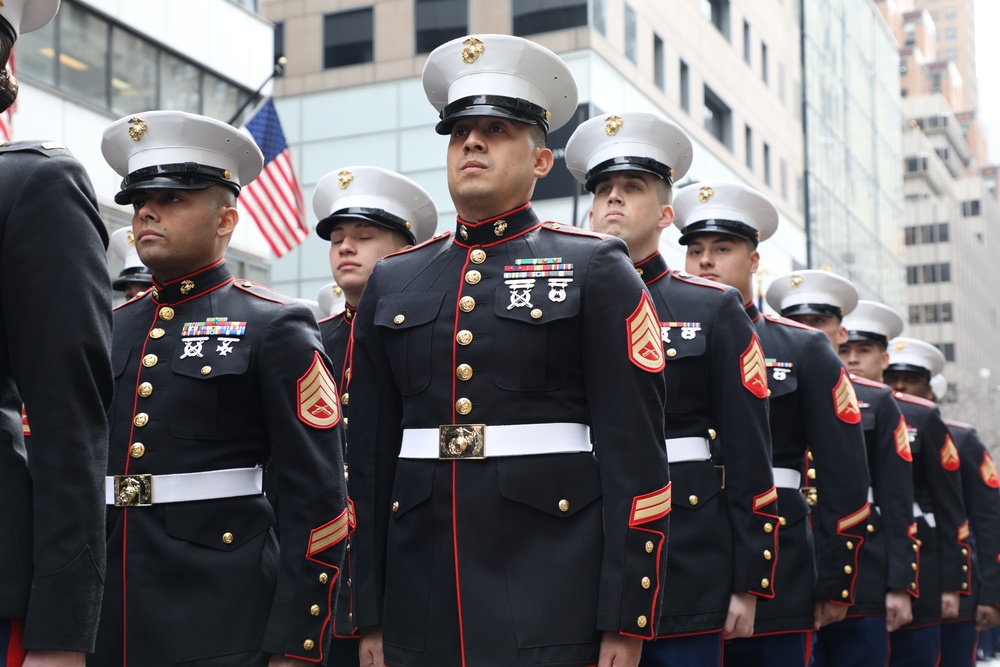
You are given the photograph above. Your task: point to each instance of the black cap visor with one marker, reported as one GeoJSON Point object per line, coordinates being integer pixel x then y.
{"type": "Point", "coordinates": [731, 227]}
{"type": "Point", "coordinates": [376, 216]}
{"type": "Point", "coordinates": [496, 106]}
{"type": "Point", "coordinates": [627, 163]}
{"type": "Point", "coordinates": [867, 337]}
{"type": "Point", "coordinates": [822, 309]}
{"type": "Point", "coordinates": [908, 368]}
{"type": "Point", "coordinates": [181, 176]}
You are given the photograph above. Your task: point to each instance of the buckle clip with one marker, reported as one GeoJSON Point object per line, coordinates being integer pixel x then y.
{"type": "Point", "coordinates": [133, 490]}
{"type": "Point", "coordinates": [461, 441]}
{"type": "Point", "coordinates": [721, 472]}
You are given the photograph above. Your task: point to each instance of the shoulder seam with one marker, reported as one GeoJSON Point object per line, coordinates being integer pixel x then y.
{"type": "Point", "coordinates": [433, 239]}
{"type": "Point", "coordinates": [700, 282]}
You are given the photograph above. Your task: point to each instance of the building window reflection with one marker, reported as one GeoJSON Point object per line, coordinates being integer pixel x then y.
{"type": "Point", "coordinates": [133, 73]}
{"type": "Point", "coordinates": [348, 38]}
{"type": "Point", "coordinates": [439, 21]}
{"type": "Point", "coordinates": [531, 17]}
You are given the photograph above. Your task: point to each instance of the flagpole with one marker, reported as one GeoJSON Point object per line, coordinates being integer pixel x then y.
{"type": "Point", "coordinates": [279, 70]}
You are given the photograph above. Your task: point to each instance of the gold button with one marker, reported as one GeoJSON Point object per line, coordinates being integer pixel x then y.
{"type": "Point", "coordinates": [137, 450]}
{"type": "Point", "coordinates": [712, 434]}
{"type": "Point", "coordinates": [809, 455]}
{"type": "Point", "coordinates": [166, 313]}
{"type": "Point", "coordinates": [463, 406]}
{"type": "Point", "coordinates": [464, 337]}
{"type": "Point", "coordinates": [227, 538]}
{"type": "Point", "coordinates": [323, 577]}
{"type": "Point", "coordinates": [308, 644]}
{"type": "Point", "coordinates": [768, 527]}
{"type": "Point", "coordinates": [965, 552]}
{"type": "Point", "coordinates": [913, 585]}
{"type": "Point", "coordinates": [845, 594]}
{"type": "Point", "coordinates": [473, 277]}
{"type": "Point", "coordinates": [347, 374]}
{"type": "Point", "coordinates": [149, 360]}
{"type": "Point", "coordinates": [141, 419]}
{"type": "Point", "coordinates": [478, 256]}
{"type": "Point", "coordinates": [920, 543]}
{"type": "Point", "coordinates": [399, 319]}
{"type": "Point", "coordinates": [848, 569]}
{"type": "Point", "coordinates": [641, 621]}
{"type": "Point", "coordinates": [871, 528]}
{"type": "Point", "coordinates": [649, 547]}
{"type": "Point", "coordinates": [350, 617]}
{"type": "Point", "coordinates": [157, 333]}
{"type": "Point", "coordinates": [767, 555]}
{"type": "Point", "coordinates": [769, 392]}
{"type": "Point", "coordinates": [782, 520]}
{"type": "Point", "coordinates": [395, 505]}
{"type": "Point", "coordinates": [466, 304]}
{"type": "Point", "coordinates": [348, 582]}
{"type": "Point", "coordinates": [145, 389]}
{"type": "Point", "coordinates": [693, 499]}
{"type": "Point", "coordinates": [205, 370]}
{"type": "Point", "coordinates": [764, 583]}
{"type": "Point", "coordinates": [850, 545]}
{"type": "Point", "coordinates": [645, 582]}
{"type": "Point", "coordinates": [671, 352]}
{"type": "Point", "coordinates": [345, 397]}
{"type": "Point", "coordinates": [965, 568]}
{"type": "Point", "coordinates": [536, 313]}
{"type": "Point", "coordinates": [563, 505]}
{"type": "Point", "coordinates": [314, 610]}
{"type": "Point", "coordinates": [811, 473]}
{"type": "Point", "coordinates": [464, 372]}
{"type": "Point", "coordinates": [913, 566]}
{"type": "Point", "coordinates": [916, 547]}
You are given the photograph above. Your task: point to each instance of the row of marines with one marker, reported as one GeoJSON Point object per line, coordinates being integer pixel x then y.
{"type": "Point", "coordinates": [510, 496]}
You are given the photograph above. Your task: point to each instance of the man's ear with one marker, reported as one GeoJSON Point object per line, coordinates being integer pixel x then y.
{"type": "Point", "coordinates": [543, 162]}
{"type": "Point", "coordinates": [228, 219]}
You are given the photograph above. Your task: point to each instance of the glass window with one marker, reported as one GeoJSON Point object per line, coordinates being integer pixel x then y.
{"type": "Point", "coordinates": [133, 73]}
{"type": "Point", "coordinates": [180, 84]}
{"type": "Point", "coordinates": [718, 119]}
{"type": "Point", "coordinates": [910, 235]}
{"type": "Point", "coordinates": [659, 66]}
{"type": "Point", "coordinates": [970, 209]}
{"type": "Point", "coordinates": [767, 163]}
{"type": "Point", "coordinates": [946, 312]}
{"type": "Point", "coordinates": [763, 62]}
{"type": "Point", "coordinates": [279, 39]}
{"type": "Point", "coordinates": [942, 232]}
{"type": "Point", "coordinates": [783, 176]}
{"type": "Point", "coordinates": [535, 16]}
{"type": "Point", "coordinates": [746, 42]}
{"type": "Point", "coordinates": [914, 314]}
{"type": "Point", "coordinates": [950, 35]}
{"type": "Point", "coordinates": [911, 275]}
{"type": "Point", "coordinates": [348, 38]}
{"type": "Point", "coordinates": [438, 21]}
{"type": "Point", "coordinates": [685, 89]}
{"type": "Point", "coordinates": [36, 53]}
{"type": "Point", "coordinates": [717, 11]}
{"type": "Point", "coordinates": [83, 57]}
{"type": "Point", "coordinates": [631, 49]}
{"type": "Point", "coordinates": [220, 99]}
{"type": "Point", "coordinates": [748, 140]}
{"type": "Point", "coordinates": [597, 16]}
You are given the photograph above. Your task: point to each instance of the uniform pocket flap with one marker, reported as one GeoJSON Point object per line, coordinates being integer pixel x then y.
{"type": "Point", "coordinates": [414, 483]}
{"type": "Point", "coordinates": [212, 362]}
{"type": "Point", "coordinates": [693, 484]}
{"type": "Point", "coordinates": [225, 524]}
{"type": "Point", "coordinates": [408, 309]}
{"type": "Point", "coordinates": [558, 487]}
{"type": "Point", "coordinates": [540, 306]}
{"type": "Point", "coordinates": [683, 348]}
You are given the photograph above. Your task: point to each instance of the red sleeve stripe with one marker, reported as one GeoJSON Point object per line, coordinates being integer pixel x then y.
{"type": "Point", "coordinates": [327, 535]}
{"type": "Point", "coordinates": [765, 499]}
{"type": "Point", "coordinates": [650, 507]}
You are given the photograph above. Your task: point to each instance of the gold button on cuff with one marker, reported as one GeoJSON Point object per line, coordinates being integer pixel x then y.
{"type": "Point", "coordinates": [157, 333]}
{"type": "Point", "coordinates": [920, 543]}
{"type": "Point", "coordinates": [850, 545]}
{"type": "Point", "coordinates": [764, 583]}
{"type": "Point", "coordinates": [811, 473]}
{"type": "Point", "coordinates": [478, 256]}
{"type": "Point", "coordinates": [205, 370]}
{"type": "Point", "coordinates": [464, 372]}
{"type": "Point", "coordinates": [965, 568]}
{"type": "Point", "coordinates": [473, 277]}
{"type": "Point", "coordinates": [871, 528]}
{"type": "Point", "coordinates": [350, 617]}
{"type": "Point", "coordinates": [965, 552]}
{"type": "Point", "coordinates": [646, 582]}
{"type": "Point", "coordinates": [768, 527]}
{"type": "Point", "coordinates": [649, 547]}
{"type": "Point", "coordinates": [145, 389]}
{"type": "Point", "coordinates": [395, 505]}
{"type": "Point", "coordinates": [767, 555]}
{"type": "Point", "coordinates": [536, 313]}
{"type": "Point", "coordinates": [712, 435]}
{"type": "Point", "coordinates": [149, 360]}
{"type": "Point", "coordinates": [671, 352]}
{"type": "Point", "coordinates": [308, 644]}
{"type": "Point", "coordinates": [463, 406]}
{"type": "Point", "coordinates": [913, 585]}
{"type": "Point", "coordinates": [563, 505]}
{"type": "Point", "coordinates": [137, 450]}
{"type": "Point", "coordinates": [641, 621]}
{"type": "Point", "coordinates": [324, 577]}
{"type": "Point", "coordinates": [782, 520]}
{"type": "Point", "coordinates": [466, 304]}
{"type": "Point", "coordinates": [965, 585]}
{"type": "Point", "coordinates": [913, 566]}
{"type": "Point", "coordinates": [399, 319]}
{"type": "Point", "coordinates": [693, 499]}
{"type": "Point", "coordinates": [845, 594]}
{"type": "Point", "coordinates": [464, 337]}
{"type": "Point", "coordinates": [348, 582]}
{"type": "Point", "coordinates": [227, 538]}
{"type": "Point", "coordinates": [809, 455]}
{"type": "Point", "coordinates": [141, 419]}
{"type": "Point", "coordinates": [345, 397]}
{"type": "Point", "coordinates": [314, 610]}
{"type": "Point", "coordinates": [848, 569]}
{"type": "Point", "coordinates": [166, 313]}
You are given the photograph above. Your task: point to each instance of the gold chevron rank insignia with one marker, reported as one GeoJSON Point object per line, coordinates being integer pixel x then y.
{"type": "Point", "coordinates": [903, 441]}
{"type": "Point", "coordinates": [650, 507]}
{"type": "Point", "coordinates": [949, 455]}
{"type": "Point", "coordinates": [845, 402]}
{"type": "Point", "coordinates": [989, 472]}
{"type": "Point", "coordinates": [645, 344]}
{"type": "Point", "coordinates": [318, 403]}
{"type": "Point", "coordinates": [753, 368]}
{"type": "Point", "coordinates": [327, 535]}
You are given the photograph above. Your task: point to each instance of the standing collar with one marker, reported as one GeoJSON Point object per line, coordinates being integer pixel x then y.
{"type": "Point", "coordinates": [752, 311]}
{"type": "Point", "coordinates": [652, 268]}
{"type": "Point", "coordinates": [192, 285]}
{"type": "Point", "coordinates": [348, 314]}
{"type": "Point", "coordinates": [496, 229]}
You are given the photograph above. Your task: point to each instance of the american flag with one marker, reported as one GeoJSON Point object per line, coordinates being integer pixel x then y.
{"type": "Point", "coordinates": [274, 200]}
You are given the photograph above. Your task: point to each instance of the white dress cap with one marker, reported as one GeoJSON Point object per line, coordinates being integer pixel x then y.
{"type": "Point", "coordinates": [179, 151]}
{"type": "Point", "coordinates": [378, 195]}
{"type": "Point", "coordinates": [628, 141]}
{"type": "Point", "coordinates": [331, 299]}
{"type": "Point", "coordinates": [724, 208]}
{"type": "Point", "coordinates": [27, 15]}
{"type": "Point", "coordinates": [873, 321]}
{"type": "Point", "coordinates": [812, 292]}
{"type": "Point", "coordinates": [499, 75]}
{"type": "Point", "coordinates": [121, 246]}
{"type": "Point", "coordinates": [915, 356]}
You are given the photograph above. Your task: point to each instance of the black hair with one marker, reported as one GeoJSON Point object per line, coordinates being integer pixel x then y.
{"type": "Point", "coordinates": [8, 84]}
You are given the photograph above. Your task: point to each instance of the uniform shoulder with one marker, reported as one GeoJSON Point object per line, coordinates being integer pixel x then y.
{"type": "Point", "coordinates": [138, 298]}
{"type": "Point", "coordinates": [913, 400]}
{"type": "Point", "coordinates": [685, 277]}
{"type": "Point", "coordinates": [263, 292]}
{"type": "Point", "coordinates": [962, 426]}
{"type": "Point", "coordinates": [563, 228]}
{"type": "Point", "coordinates": [865, 382]}
{"type": "Point", "coordinates": [437, 238]}
{"type": "Point", "coordinates": [46, 148]}
{"type": "Point", "coordinates": [777, 319]}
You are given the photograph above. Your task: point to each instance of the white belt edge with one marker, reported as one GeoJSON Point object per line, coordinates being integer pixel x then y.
{"type": "Point", "coordinates": [786, 478]}
{"type": "Point", "coordinates": [207, 485]}
{"type": "Point", "coordinates": [680, 450]}
{"type": "Point", "coordinates": [928, 516]}
{"type": "Point", "coordinates": [505, 440]}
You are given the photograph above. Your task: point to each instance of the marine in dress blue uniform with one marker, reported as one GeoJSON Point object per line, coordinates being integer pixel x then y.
{"type": "Point", "coordinates": [506, 455]}
{"type": "Point", "coordinates": [719, 554]}
{"type": "Point", "coordinates": [355, 199]}
{"type": "Point", "coordinates": [55, 359]}
{"type": "Point", "coordinates": [887, 565]}
{"type": "Point", "coordinates": [215, 378]}
{"type": "Point", "coordinates": [942, 522]}
{"type": "Point", "coordinates": [812, 407]}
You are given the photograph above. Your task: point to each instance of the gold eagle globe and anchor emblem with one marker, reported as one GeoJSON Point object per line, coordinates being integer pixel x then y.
{"type": "Point", "coordinates": [344, 178]}
{"type": "Point", "coordinates": [473, 49]}
{"type": "Point", "coordinates": [705, 193]}
{"type": "Point", "coordinates": [137, 128]}
{"type": "Point", "coordinates": [612, 124]}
